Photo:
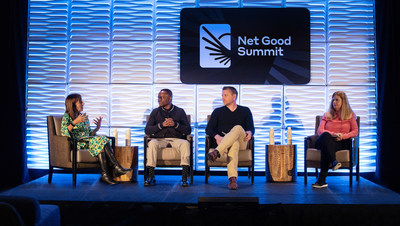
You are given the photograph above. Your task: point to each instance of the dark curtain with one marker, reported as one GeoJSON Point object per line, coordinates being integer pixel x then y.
{"type": "Point", "coordinates": [13, 161]}
{"type": "Point", "coordinates": [388, 85]}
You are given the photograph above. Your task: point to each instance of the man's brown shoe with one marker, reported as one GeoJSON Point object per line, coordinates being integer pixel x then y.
{"type": "Point", "coordinates": [232, 183]}
{"type": "Point", "coordinates": [212, 156]}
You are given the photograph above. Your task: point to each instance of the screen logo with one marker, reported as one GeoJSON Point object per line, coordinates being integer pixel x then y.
{"type": "Point", "coordinates": [245, 46]}
{"type": "Point", "coordinates": [215, 45]}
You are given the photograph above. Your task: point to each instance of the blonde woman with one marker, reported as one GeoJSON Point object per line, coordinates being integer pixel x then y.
{"type": "Point", "coordinates": [337, 126]}
{"type": "Point", "coordinates": [76, 124]}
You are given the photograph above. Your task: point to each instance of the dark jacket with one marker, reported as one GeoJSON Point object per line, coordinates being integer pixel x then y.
{"type": "Point", "coordinates": [154, 127]}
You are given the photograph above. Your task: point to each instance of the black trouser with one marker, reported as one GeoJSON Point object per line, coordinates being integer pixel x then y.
{"type": "Point", "coordinates": [329, 146]}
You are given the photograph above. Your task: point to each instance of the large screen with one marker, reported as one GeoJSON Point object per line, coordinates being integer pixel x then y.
{"type": "Point", "coordinates": [245, 46]}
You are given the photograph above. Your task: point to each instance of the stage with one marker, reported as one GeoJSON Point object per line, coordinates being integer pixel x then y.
{"type": "Point", "coordinates": [168, 190]}
{"type": "Point", "coordinates": [95, 203]}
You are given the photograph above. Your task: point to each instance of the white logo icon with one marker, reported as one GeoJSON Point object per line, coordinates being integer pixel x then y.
{"type": "Point", "coordinates": [215, 45]}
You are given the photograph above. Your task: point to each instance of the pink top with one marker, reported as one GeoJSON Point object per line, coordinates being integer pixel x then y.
{"type": "Point", "coordinates": [348, 127]}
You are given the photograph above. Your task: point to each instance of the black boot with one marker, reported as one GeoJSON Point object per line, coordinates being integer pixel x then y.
{"type": "Point", "coordinates": [118, 170]}
{"type": "Point", "coordinates": [105, 176]}
{"type": "Point", "coordinates": [151, 179]}
{"type": "Point", "coordinates": [321, 181]}
{"type": "Point", "coordinates": [185, 173]}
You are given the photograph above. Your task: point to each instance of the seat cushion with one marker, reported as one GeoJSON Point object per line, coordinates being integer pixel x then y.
{"type": "Point", "coordinates": [84, 155]}
{"type": "Point", "coordinates": [315, 155]}
{"type": "Point", "coordinates": [244, 156]}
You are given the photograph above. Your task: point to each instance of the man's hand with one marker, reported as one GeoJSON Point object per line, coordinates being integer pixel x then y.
{"type": "Point", "coordinates": [248, 136]}
{"type": "Point", "coordinates": [218, 138]}
{"type": "Point", "coordinates": [168, 122]}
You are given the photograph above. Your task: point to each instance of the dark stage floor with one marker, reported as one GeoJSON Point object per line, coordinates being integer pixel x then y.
{"type": "Point", "coordinates": [168, 190]}
{"type": "Point", "coordinates": [94, 203]}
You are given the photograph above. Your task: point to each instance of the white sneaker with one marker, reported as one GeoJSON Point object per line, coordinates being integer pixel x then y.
{"type": "Point", "coordinates": [336, 165]}
{"type": "Point", "coordinates": [319, 185]}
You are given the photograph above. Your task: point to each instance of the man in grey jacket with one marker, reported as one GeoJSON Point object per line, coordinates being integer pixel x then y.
{"type": "Point", "coordinates": [169, 125]}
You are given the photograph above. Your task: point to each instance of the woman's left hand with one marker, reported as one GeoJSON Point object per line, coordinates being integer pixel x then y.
{"type": "Point", "coordinates": [339, 136]}
{"type": "Point", "coordinates": [97, 122]}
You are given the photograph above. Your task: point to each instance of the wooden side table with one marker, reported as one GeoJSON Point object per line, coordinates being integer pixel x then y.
{"type": "Point", "coordinates": [281, 163]}
{"type": "Point", "coordinates": [127, 158]}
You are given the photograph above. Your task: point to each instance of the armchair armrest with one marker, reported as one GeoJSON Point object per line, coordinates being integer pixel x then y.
{"type": "Point", "coordinates": [61, 141]}
{"type": "Point", "coordinates": [59, 150]}
{"type": "Point", "coordinates": [113, 144]}
{"type": "Point", "coordinates": [309, 141]}
{"type": "Point", "coordinates": [146, 139]}
{"type": "Point", "coordinates": [250, 144]}
{"type": "Point", "coordinates": [207, 143]}
{"type": "Point", "coordinates": [355, 142]}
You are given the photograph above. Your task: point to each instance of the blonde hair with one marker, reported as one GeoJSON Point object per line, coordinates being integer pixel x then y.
{"type": "Point", "coordinates": [345, 111]}
{"type": "Point", "coordinates": [70, 105]}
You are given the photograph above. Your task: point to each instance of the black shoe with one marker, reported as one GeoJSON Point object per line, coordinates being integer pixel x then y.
{"type": "Point", "coordinates": [106, 179]}
{"type": "Point", "coordinates": [150, 182]}
{"type": "Point", "coordinates": [185, 174]}
{"type": "Point", "coordinates": [105, 176]}
{"type": "Point", "coordinates": [118, 170]}
{"type": "Point", "coordinates": [184, 183]}
{"type": "Point", "coordinates": [336, 165]}
{"type": "Point", "coordinates": [319, 185]}
{"type": "Point", "coordinates": [321, 181]}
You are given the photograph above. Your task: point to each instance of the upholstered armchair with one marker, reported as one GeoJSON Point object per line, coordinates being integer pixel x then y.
{"type": "Point", "coordinates": [348, 158]}
{"type": "Point", "coordinates": [168, 156]}
{"type": "Point", "coordinates": [63, 151]}
{"type": "Point", "coordinates": [246, 157]}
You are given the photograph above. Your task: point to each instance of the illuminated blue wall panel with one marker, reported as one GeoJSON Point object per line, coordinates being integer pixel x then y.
{"type": "Point", "coordinates": [119, 53]}
{"type": "Point", "coordinates": [132, 20]}
{"type": "Point", "coordinates": [90, 20]}
{"type": "Point", "coordinates": [48, 20]}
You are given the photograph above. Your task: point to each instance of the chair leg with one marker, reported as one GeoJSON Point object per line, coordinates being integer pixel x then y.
{"type": "Point", "coordinates": [305, 174]}
{"type": "Point", "coordinates": [358, 172]}
{"type": "Point", "coordinates": [50, 177]}
{"type": "Point", "coordinates": [316, 173]}
{"type": "Point", "coordinates": [252, 174]}
{"type": "Point", "coordinates": [74, 173]}
{"type": "Point", "coordinates": [74, 178]}
{"type": "Point", "coordinates": [191, 174]}
{"type": "Point", "coordinates": [74, 163]}
{"type": "Point", "coordinates": [207, 174]}
{"type": "Point", "coordinates": [351, 176]}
